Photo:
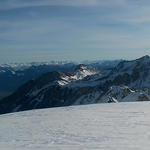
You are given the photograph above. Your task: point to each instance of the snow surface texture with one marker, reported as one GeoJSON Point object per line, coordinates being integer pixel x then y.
{"type": "Point", "coordinates": [121, 126]}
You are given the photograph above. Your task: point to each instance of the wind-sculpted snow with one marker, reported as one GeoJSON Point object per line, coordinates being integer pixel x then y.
{"type": "Point", "coordinates": [121, 126]}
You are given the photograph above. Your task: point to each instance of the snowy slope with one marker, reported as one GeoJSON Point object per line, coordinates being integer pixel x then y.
{"type": "Point", "coordinates": [121, 126]}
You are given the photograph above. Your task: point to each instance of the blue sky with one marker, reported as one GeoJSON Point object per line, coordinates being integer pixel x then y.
{"type": "Point", "coordinates": [43, 30]}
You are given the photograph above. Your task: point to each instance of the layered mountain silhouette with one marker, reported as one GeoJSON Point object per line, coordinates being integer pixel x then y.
{"type": "Point", "coordinates": [127, 82]}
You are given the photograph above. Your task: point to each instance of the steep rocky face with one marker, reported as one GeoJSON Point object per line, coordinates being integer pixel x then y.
{"type": "Point", "coordinates": [83, 86]}
{"type": "Point", "coordinates": [135, 74]}
{"type": "Point", "coordinates": [124, 94]}
{"type": "Point", "coordinates": [11, 79]}
{"type": "Point", "coordinates": [50, 90]}
{"type": "Point", "coordinates": [118, 92]}
{"type": "Point", "coordinates": [13, 76]}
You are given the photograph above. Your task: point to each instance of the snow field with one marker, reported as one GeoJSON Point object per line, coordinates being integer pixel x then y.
{"type": "Point", "coordinates": [121, 126]}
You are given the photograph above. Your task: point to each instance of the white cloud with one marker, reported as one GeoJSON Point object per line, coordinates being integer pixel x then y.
{"type": "Point", "coordinates": [11, 4]}
{"type": "Point", "coordinates": [33, 30]}
{"type": "Point", "coordinates": [129, 11]}
{"type": "Point", "coordinates": [83, 32]}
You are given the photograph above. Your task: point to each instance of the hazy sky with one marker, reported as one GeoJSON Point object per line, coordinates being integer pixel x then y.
{"type": "Point", "coordinates": [42, 30]}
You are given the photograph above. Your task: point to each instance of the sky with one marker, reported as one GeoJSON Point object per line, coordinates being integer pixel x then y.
{"type": "Point", "coordinates": [74, 30]}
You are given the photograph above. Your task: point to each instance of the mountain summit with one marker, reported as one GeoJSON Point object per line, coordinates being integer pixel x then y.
{"type": "Point", "coordinates": [128, 81]}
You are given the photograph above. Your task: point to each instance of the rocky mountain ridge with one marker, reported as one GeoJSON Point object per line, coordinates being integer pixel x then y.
{"type": "Point", "coordinates": [127, 82]}
{"type": "Point", "coordinates": [14, 75]}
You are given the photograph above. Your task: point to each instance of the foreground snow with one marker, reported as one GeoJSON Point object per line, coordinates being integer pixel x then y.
{"type": "Point", "coordinates": [121, 126]}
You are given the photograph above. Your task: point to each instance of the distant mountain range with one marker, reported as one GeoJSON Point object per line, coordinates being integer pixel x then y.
{"type": "Point", "coordinates": [126, 82]}
{"type": "Point", "coordinates": [23, 66]}
{"type": "Point", "coordinates": [14, 75]}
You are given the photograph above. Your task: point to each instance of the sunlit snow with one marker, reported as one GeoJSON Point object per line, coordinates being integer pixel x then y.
{"type": "Point", "coordinates": [121, 126]}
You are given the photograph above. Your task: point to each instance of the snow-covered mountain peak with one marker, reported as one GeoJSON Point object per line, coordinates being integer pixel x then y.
{"type": "Point", "coordinates": [83, 86]}
{"type": "Point", "coordinates": [81, 67]}
{"type": "Point", "coordinates": [80, 73]}
{"type": "Point", "coordinates": [61, 79]}
{"type": "Point", "coordinates": [129, 65]}
{"type": "Point", "coordinates": [135, 73]}
{"type": "Point", "coordinates": [144, 58]}
{"type": "Point", "coordinates": [84, 72]}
